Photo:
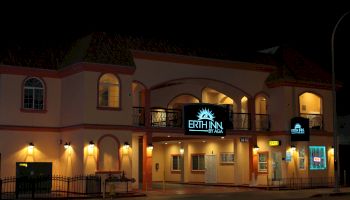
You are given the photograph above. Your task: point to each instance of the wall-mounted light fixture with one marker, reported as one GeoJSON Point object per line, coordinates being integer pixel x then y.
{"type": "Point", "coordinates": [331, 150]}
{"type": "Point", "coordinates": [150, 147]}
{"type": "Point", "coordinates": [293, 147]}
{"type": "Point", "coordinates": [182, 150]}
{"type": "Point", "coordinates": [91, 147]}
{"type": "Point", "coordinates": [126, 145]}
{"type": "Point", "coordinates": [30, 148]}
{"type": "Point", "coordinates": [256, 147]}
{"type": "Point", "coordinates": [66, 145]}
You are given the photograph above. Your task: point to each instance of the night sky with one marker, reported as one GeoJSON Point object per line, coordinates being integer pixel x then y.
{"type": "Point", "coordinates": [233, 28]}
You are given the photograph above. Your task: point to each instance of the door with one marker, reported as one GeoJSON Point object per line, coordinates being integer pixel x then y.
{"type": "Point", "coordinates": [210, 169]}
{"type": "Point", "coordinates": [276, 166]}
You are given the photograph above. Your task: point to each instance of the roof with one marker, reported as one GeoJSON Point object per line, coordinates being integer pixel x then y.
{"type": "Point", "coordinates": [116, 49]}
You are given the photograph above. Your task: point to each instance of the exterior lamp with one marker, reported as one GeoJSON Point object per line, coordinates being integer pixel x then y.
{"type": "Point", "coordinates": [256, 147]}
{"type": "Point", "coordinates": [66, 145]}
{"type": "Point", "coordinates": [126, 145]}
{"type": "Point", "coordinates": [30, 148]}
{"type": "Point", "coordinates": [182, 150]}
{"type": "Point", "coordinates": [292, 147]}
{"type": "Point", "coordinates": [332, 150]}
{"type": "Point", "coordinates": [91, 147]}
{"type": "Point", "coordinates": [150, 147]}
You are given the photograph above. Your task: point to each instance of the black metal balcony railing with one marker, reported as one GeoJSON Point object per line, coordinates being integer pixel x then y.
{"type": "Point", "coordinates": [262, 122]}
{"type": "Point", "coordinates": [138, 116]}
{"type": "Point", "coordinates": [315, 120]}
{"type": "Point", "coordinates": [173, 118]}
{"type": "Point", "coordinates": [166, 118]}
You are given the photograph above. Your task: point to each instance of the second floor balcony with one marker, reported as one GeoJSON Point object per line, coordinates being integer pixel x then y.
{"type": "Point", "coordinates": [172, 118]}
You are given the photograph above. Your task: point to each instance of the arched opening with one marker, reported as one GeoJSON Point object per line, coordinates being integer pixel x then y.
{"type": "Point", "coordinates": [138, 103]}
{"type": "Point", "coordinates": [310, 106]}
{"type": "Point", "coordinates": [261, 113]}
{"type": "Point", "coordinates": [108, 156]}
{"type": "Point", "coordinates": [179, 101]}
{"type": "Point", "coordinates": [108, 91]}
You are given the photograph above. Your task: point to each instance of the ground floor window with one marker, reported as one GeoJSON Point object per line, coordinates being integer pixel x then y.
{"type": "Point", "coordinates": [175, 163]}
{"type": "Point", "coordinates": [227, 158]}
{"type": "Point", "coordinates": [262, 165]}
{"type": "Point", "coordinates": [198, 162]}
{"type": "Point", "coordinates": [317, 157]}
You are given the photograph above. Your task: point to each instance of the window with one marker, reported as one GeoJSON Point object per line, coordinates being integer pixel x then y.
{"type": "Point", "coordinates": [176, 159]}
{"type": "Point", "coordinates": [311, 108]}
{"type": "Point", "coordinates": [302, 158]}
{"type": "Point", "coordinates": [317, 157]}
{"type": "Point", "coordinates": [227, 158]}
{"type": "Point", "coordinates": [262, 165]}
{"type": "Point", "coordinates": [198, 162]}
{"type": "Point", "coordinates": [33, 94]}
{"type": "Point", "coordinates": [108, 91]}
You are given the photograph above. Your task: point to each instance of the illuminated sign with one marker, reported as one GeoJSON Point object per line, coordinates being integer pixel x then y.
{"type": "Point", "coordinates": [299, 130]}
{"type": "Point", "coordinates": [317, 159]}
{"type": "Point", "coordinates": [23, 164]}
{"type": "Point", "coordinates": [274, 143]}
{"type": "Point", "coordinates": [288, 156]}
{"type": "Point", "coordinates": [204, 119]}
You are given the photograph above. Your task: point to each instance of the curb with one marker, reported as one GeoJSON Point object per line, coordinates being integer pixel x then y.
{"type": "Point", "coordinates": [330, 194]}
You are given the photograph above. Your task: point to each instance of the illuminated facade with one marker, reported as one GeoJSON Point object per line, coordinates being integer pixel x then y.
{"type": "Point", "coordinates": [99, 117]}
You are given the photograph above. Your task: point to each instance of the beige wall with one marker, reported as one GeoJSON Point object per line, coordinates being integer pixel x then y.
{"type": "Point", "coordinates": [162, 155]}
{"type": "Point", "coordinates": [79, 101]}
{"type": "Point", "coordinates": [240, 78]}
{"type": "Point", "coordinates": [14, 148]}
{"type": "Point", "coordinates": [11, 103]}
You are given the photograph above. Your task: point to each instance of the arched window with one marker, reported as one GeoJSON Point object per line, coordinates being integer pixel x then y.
{"type": "Point", "coordinates": [33, 94]}
{"type": "Point", "coordinates": [311, 108]}
{"type": "Point", "coordinates": [261, 113]}
{"type": "Point", "coordinates": [108, 91]}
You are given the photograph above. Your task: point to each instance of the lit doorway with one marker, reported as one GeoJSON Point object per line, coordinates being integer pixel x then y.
{"type": "Point", "coordinates": [276, 166]}
{"type": "Point", "coordinates": [210, 169]}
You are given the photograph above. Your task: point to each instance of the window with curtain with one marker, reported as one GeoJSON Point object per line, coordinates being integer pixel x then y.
{"type": "Point", "coordinates": [108, 91]}
{"type": "Point", "coordinates": [33, 94]}
{"type": "Point", "coordinates": [176, 163]}
{"type": "Point", "coordinates": [198, 162]}
{"type": "Point", "coordinates": [262, 165]}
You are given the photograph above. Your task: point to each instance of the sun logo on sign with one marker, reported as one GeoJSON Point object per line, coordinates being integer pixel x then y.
{"type": "Point", "coordinates": [205, 114]}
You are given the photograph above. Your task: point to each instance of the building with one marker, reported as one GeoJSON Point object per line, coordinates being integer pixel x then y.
{"type": "Point", "coordinates": [109, 104]}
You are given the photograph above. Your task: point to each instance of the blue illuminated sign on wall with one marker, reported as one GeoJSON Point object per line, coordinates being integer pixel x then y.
{"type": "Point", "coordinates": [204, 119]}
{"type": "Point", "coordinates": [299, 129]}
{"type": "Point", "coordinates": [318, 159]}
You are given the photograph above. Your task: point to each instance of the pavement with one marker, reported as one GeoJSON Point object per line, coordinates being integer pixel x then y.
{"type": "Point", "coordinates": [202, 192]}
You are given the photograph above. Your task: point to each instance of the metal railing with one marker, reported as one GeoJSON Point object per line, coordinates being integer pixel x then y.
{"type": "Point", "coordinates": [166, 118]}
{"type": "Point", "coordinates": [47, 187]}
{"type": "Point", "coordinates": [302, 183]}
{"type": "Point", "coordinates": [262, 122]}
{"type": "Point", "coordinates": [172, 118]}
{"type": "Point", "coordinates": [138, 116]}
{"type": "Point", "coordinates": [315, 120]}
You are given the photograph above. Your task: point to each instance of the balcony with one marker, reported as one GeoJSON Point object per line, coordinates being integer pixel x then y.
{"type": "Point", "coordinates": [172, 118]}
{"type": "Point", "coordinates": [315, 120]}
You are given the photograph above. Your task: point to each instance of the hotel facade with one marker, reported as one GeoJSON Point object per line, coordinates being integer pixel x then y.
{"type": "Point", "coordinates": [100, 114]}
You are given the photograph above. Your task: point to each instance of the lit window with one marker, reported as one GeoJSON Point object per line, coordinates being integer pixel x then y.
{"type": "Point", "coordinates": [33, 94]}
{"type": "Point", "coordinates": [317, 157]}
{"type": "Point", "coordinates": [198, 162]}
{"type": "Point", "coordinates": [311, 108]}
{"type": "Point", "coordinates": [262, 165]}
{"type": "Point", "coordinates": [227, 158]}
{"type": "Point", "coordinates": [176, 163]}
{"type": "Point", "coordinates": [108, 91]}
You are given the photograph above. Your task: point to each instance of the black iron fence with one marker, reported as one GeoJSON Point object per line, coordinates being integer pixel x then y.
{"type": "Point", "coordinates": [302, 183]}
{"type": "Point", "coordinates": [262, 122]}
{"type": "Point", "coordinates": [166, 117]}
{"type": "Point", "coordinates": [47, 187]}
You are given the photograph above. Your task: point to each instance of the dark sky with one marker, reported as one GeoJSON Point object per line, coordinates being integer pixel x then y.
{"type": "Point", "coordinates": [238, 29]}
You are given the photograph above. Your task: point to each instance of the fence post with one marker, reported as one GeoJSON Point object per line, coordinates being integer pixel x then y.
{"type": "Point", "coordinates": [68, 180]}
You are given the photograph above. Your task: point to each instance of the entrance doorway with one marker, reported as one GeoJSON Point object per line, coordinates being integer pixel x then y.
{"type": "Point", "coordinates": [276, 166]}
{"type": "Point", "coordinates": [210, 169]}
